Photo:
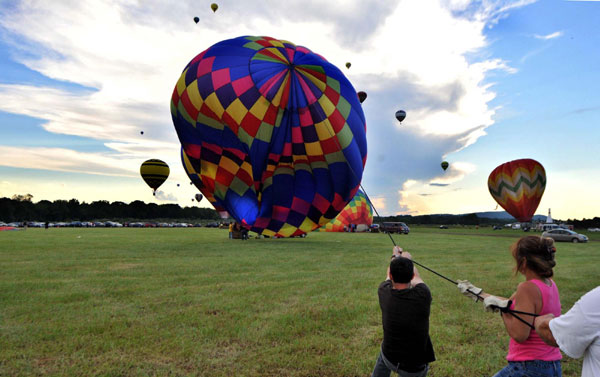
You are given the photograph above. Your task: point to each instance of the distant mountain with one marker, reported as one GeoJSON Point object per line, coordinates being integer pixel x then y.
{"type": "Point", "coordinates": [503, 215]}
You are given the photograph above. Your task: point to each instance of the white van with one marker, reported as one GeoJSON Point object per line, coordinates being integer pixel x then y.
{"type": "Point", "coordinates": [545, 227]}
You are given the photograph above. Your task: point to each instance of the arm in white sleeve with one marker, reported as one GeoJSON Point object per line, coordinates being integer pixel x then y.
{"type": "Point", "coordinates": [575, 330]}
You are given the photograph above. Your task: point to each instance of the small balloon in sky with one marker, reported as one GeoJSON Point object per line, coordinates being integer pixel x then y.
{"type": "Point", "coordinates": [141, 132]}
{"type": "Point", "coordinates": [362, 96]}
{"type": "Point", "coordinates": [154, 172]}
{"type": "Point", "coordinates": [444, 165]}
{"type": "Point", "coordinates": [178, 185]}
{"type": "Point", "coordinates": [214, 7]}
{"type": "Point", "coordinates": [348, 65]}
{"type": "Point", "coordinates": [196, 19]}
{"type": "Point", "coordinates": [199, 197]}
{"type": "Point", "coordinates": [400, 115]}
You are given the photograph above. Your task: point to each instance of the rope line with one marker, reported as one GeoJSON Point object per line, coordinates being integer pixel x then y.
{"type": "Point", "coordinates": [519, 318]}
{"type": "Point", "coordinates": [507, 310]}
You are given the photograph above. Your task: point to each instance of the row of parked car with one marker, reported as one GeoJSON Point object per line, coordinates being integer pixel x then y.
{"type": "Point", "coordinates": [107, 224]}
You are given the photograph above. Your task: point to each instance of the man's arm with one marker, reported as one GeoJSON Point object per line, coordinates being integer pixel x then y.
{"type": "Point", "coordinates": [542, 327]}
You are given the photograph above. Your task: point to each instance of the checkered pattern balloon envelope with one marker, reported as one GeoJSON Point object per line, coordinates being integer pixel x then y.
{"type": "Point", "coordinates": [518, 187]}
{"type": "Point", "coordinates": [271, 133]}
{"type": "Point", "coordinates": [358, 211]}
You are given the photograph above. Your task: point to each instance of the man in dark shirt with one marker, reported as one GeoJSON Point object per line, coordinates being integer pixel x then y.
{"type": "Point", "coordinates": [405, 301]}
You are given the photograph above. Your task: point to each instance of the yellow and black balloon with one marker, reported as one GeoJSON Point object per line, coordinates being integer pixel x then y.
{"type": "Point", "coordinates": [154, 172]}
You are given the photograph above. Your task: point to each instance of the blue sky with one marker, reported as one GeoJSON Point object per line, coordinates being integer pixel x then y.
{"type": "Point", "coordinates": [483, 82]}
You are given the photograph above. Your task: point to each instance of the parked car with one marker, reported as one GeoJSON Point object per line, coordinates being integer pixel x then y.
{"type": "Point", "coordinates": [565, 235]}
{"type": "Point", "coordinates": [395, 227]}
{"type": "Point", "coordinates": [374, 228]}
{"type": "Point", "coordinates": [593, 229]}
{"type": "Point", "coordinates": [497, 227]}
{"type": "Point", "coordinates": [443, 226]}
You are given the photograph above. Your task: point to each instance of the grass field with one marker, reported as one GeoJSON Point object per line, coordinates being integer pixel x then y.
{"type": "Point", "coordinates": [158, 302]}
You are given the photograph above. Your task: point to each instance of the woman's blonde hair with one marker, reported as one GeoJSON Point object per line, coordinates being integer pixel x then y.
{"type": "Point", "coordinates": [535, 252]}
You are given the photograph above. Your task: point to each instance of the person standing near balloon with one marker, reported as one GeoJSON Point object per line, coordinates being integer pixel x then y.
{"type": "Point", "coordinates": [405, 303]}
{"type": "Point", "coordinates": [528, 354]}
{"type": "Point", "coordinates": [230, 230]}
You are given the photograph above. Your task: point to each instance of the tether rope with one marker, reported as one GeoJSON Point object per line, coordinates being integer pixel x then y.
{"type": "Point", "coordinates": [503, 310]}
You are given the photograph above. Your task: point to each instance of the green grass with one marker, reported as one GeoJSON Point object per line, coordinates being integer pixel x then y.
{"type": "Point", "coordinates": [138, 302]}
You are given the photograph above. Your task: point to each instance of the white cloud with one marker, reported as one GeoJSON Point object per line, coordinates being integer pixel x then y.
{"type": "Point", "coordinates": [406, 54]}
{"type": "Point", "coordinates": [546, 37]}
{"type": "Point", "coordinates": [67, 160]}
{"type": "Point", "coordinates": [417, 196]}
{"type": "Point", "coordinates": [165, 197]}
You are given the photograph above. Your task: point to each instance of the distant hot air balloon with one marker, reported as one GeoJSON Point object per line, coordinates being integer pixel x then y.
{"type": "Point", "coordinates": [271, 132]}
{"type": "Point", "coordinates": [362, 96]}
{"type": "Point", "coordinates": [199, 197]}
{"type": "Point", "coordinates": [357, 212]}
{"type": "Point", "coordinates": [444, 165]}
{"type": "Point", "coordinates": [154, 172]}
{"type": "Point", "coordinates": [214, 7]}
{"type": "Point", "coordinates": [196, 19]}
{"type": "Point", "coordinates": [141, 132]}
{"type": "Point", "coordinates": [400, 115]}
{"type": "Point", "coordinates": [518, 187]}
{"type": "Point", "coordinates": [348, 65]}
{"type": "Point", "coordinates": [178, 185]}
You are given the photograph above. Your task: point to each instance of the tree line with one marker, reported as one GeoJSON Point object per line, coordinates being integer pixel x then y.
{"type": "Point", "coordinates": [21, 208]}
{"type": "Point", "coordinates": [473, 219]}
{"type": "Point", "coordinates": [466, 219]}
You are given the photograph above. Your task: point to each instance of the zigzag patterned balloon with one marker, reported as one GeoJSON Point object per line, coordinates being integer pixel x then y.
{"type": "Point", "coordinates": [518, 187]}
{"type": "Point", "coordinates": [358, 211]}
{"type": "Point", "coordinates": [274, 133]}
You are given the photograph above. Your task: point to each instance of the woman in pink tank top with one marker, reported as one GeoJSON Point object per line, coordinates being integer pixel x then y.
{"type": "Point", "coordinates": [528, 355]}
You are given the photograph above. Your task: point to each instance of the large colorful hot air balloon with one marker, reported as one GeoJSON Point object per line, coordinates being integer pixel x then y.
{"type": "Point", "coordinates": [274, 134]}
{"type": "Point", "coordinates": [518, 187]}
{"type": "Point", "coordinates": [357, 212]}
{"type": "Point", "coordinates": [154, 172]}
